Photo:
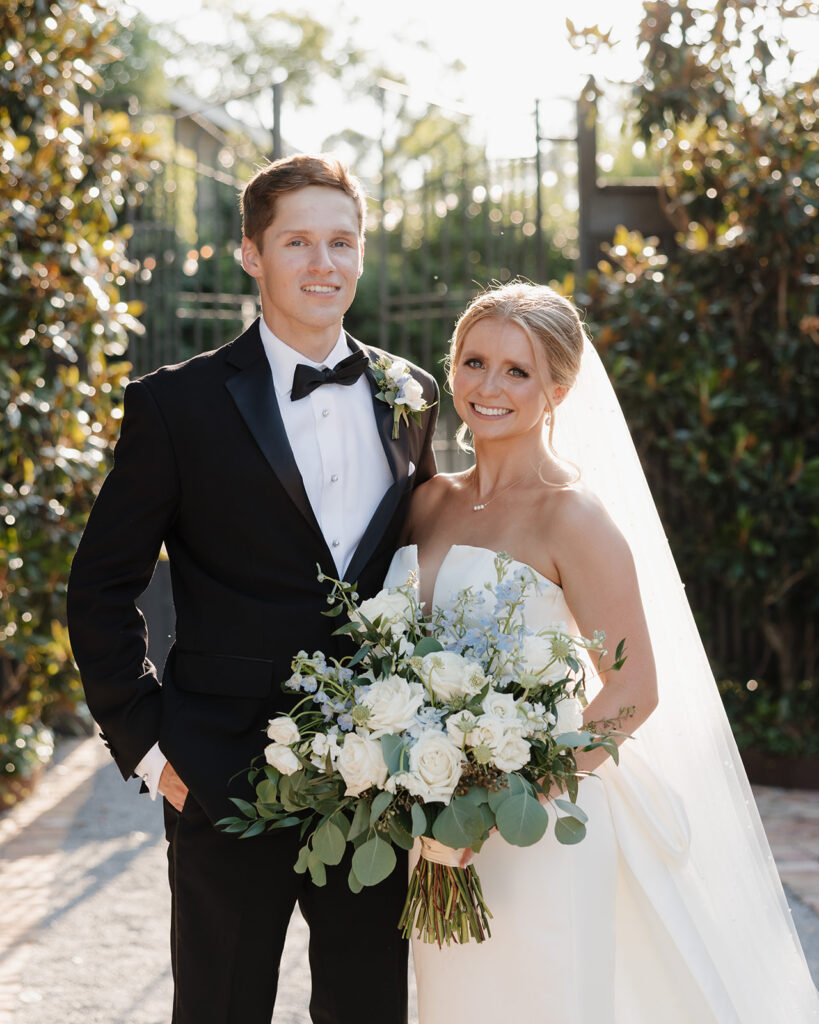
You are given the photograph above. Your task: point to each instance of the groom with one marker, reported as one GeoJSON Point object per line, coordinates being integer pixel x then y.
{"type": "Point", "coordinates": [253, 464]}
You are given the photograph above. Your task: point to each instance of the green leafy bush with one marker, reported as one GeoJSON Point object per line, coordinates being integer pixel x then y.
{"type": "Point", "coordinates": [714, 349]}
{"type": "Point", "coordinates": [67, 173]}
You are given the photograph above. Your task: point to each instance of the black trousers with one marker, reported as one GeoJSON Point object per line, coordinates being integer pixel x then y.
{"type": "Point", "coordinates": [231, 905]}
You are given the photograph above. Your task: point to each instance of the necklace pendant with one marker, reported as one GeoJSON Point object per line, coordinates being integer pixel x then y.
{"type": "Point", "coordinates": [478, 508]}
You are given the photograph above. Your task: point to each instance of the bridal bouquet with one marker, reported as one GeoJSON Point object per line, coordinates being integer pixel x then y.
{"type": "Point", "coordinates": [441, 727]}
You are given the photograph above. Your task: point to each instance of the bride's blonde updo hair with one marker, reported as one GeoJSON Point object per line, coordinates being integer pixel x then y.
{"type": "Point", "coordinates": [549, 320]}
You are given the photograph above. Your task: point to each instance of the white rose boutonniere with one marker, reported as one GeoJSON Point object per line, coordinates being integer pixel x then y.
{"type": "Point", "coordinates": [400, 390]}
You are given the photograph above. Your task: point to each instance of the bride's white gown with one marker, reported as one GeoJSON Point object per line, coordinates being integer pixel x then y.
{"type": "Point", "coordinates": [613, 929]}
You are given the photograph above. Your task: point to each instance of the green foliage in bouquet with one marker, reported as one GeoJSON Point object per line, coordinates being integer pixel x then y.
{"type": "Point", "coordinates": [714, 347]}
{"type": "Point", "coordinates": [67, 169]}
{"type": "Point", "coordinates": [441, 729]}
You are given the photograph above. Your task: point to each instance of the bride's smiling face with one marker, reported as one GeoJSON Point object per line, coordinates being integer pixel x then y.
{"type": "Point", "coordinates": [497, 386]}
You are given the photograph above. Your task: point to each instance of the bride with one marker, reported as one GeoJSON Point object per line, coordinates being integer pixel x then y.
{"type": "Point", "coordinates": [670, 910]}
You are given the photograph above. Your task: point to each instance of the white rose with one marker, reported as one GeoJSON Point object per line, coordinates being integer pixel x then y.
{"type": "Point", "coordinates": [393, 703]}
{"type": "Point", "coordinates": [412, 395]}
{"type": "Point", "coordinates": [459, 724]}
{"type": "Point", "coordinates": [449, 675]}
{"type": "Point", "coordinates": [282, 758]}
{"type": "Point", "coordinates": [435, 762]}
{"type": "Point", "coordinates": [569, 716]}
{"type": "Point", "coordinates": [393, 607]}
{"type": "Point", "coordinates": [512, 753]}
{"type": "Point", "coordinates": [283, 730]}
{"type": "Point", "coordinates": [322, 745]}
{"type": "Point", "coordinates": [502, 706]}
{"type": "Point", "coordinates": [489, 732]}
{"type": "Point", "coordinates": [361, 764]}
{"type": "Point", "coordinates": [397, 371]}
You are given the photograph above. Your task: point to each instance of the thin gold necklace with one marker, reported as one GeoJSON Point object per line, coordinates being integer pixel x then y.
{"type": "Point", "coordinates": [479, 507]}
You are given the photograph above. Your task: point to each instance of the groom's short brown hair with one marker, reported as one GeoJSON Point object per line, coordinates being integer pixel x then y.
{"type": "Point", "coordinates": [288, 174]}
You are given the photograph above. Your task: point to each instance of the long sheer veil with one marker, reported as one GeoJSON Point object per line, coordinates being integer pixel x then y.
{"type": "Point", "coordinates": [728, 882]}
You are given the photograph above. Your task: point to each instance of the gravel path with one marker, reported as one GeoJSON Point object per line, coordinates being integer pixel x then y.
{"type": "Point", "coordinates": [85, 908]}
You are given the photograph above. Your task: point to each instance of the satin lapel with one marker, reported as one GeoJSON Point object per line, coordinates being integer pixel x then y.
{"type": "Point", "coordinates": [397, 452]}
{"type": "Point", "coordinates": [255, 396]}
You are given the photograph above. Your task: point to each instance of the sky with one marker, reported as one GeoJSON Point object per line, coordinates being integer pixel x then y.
{"type": "Point", "coordinates": [513, 52]}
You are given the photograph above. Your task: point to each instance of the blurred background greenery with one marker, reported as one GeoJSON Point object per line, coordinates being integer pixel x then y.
{"type": "Point", "coordinates": [678, 208]}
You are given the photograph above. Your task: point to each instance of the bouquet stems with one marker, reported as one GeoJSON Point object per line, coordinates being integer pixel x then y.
{"type": "Point", "coordinates": [445, 904]}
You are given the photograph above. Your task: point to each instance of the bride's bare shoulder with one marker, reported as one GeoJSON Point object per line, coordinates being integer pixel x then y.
{"type": "Point", "coordinates": [438, 488]}
{"type": "Point", "coordinates": [579, 522]}
{"type": "Point", "coordinates": [430, 498]}
{"type": "Point", "coordinates": [575, 509]}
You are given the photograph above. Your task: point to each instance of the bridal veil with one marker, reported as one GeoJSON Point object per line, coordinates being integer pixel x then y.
{"type": "Point", "coordinates": [682, 793]}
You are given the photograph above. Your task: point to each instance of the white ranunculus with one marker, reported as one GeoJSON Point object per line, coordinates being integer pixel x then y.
{"type": "Point", "coordinates": [397, 371]}
{"type": "Point", "coordinates": [361, 764]}
{"type": "Point", "coordinates": [393, 703]}
{"type": "Point", "coordinates": [283, 730]}
{"type": "Point", "coordinates": [536, 654]}
{"type": "Point", "coordinates": [488, 732]}
{"type": "Point", "coordinates": [393, 607]}
{"type": "Point", "coordinates": [282, 758]}
{"type": "Point", "coordinates": [459, 724]}
{"type": "Point", "coordinates": [450, 675]}
{"type": "Point", "coordinates": [512, 753]}
{"type": "Point", "coordinates": [323, 744]}
{"type": "Point", "coordinates": [435, 762]}
{"type": "Point", "coordinates": [569, 716]}
{"type": "Point", "coordinates": [412, 395]}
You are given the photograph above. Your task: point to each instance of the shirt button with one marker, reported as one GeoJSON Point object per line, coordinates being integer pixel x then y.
{"type": "Point", "coordinates": [334, 478]}
{"type": "Point", "coordinates": [325, 412]}
{"type": "Point", "coordinates": [336, 543]}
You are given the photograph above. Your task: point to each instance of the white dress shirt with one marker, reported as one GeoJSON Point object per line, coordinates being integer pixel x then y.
{"type": "Point", "coordinates": [334, 439]}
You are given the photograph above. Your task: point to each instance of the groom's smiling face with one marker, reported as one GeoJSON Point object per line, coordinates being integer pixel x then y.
{"type": "Point", "coordinates": [307, 266]}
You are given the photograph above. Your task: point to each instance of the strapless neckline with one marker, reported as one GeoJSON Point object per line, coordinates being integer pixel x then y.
{"type": "Point", "coordinates": [471, 547]}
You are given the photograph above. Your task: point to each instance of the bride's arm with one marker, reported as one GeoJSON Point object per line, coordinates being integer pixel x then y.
{"type": "Point", "coordinates": [600, 585]}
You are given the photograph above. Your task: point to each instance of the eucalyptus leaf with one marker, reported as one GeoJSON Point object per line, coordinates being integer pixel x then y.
{"type": "Point", "coordinates": [373, 861]}
{"type": "Point", "coordinates": [573, 739]}
{"type": "Point", "coordinates": [267, 792]}
{"type": "Point", "coordinates": [361, 820]}
{"type": "Point", "coordinates": [318, 872]}
{"type": "Point", "coordinates": [572, 809]}
{"type": "Point", "coordinates": [569, 831]}
{"type": "Point", "coordinates": [521, 820]}
{"type": "Point", "coordinates": [301, 861]}
{"type": "Point", "coordinates": [514, 786]}
{"type": "Point", "coordinates": [394, 750]}
{"type": "Point", "coordinates": [476, 795]}
{"type": "Point", "coordinates": [380, 803]}
{"type": "Point", "coordinates": [353, 882]}
{"type": "Point", "coordinates": [419, 820]}
{"type": "Point", "coordinates": [329, 843]}
{"type": "Point", "coordinates": [399, 835]}
{"type": "Point", "coordinates": [458, 824]}
{"type": "Point", "coordinates": [426, 645]}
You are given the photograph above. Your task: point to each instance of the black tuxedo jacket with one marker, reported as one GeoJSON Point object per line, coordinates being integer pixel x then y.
{"type": "Point", "coordinates": [203, 464]}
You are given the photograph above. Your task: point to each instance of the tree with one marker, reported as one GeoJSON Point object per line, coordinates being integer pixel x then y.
{"type": "Point", "coordinates": [714, 349]}
{"type": "Point", "coordinates": [69, 169]}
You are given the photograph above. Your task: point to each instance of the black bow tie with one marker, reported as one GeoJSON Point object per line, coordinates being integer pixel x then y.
{"type": "Point", "coordinates": [308, 378]}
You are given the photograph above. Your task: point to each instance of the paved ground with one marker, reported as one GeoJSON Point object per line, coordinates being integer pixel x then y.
{"type": "Point", "coordinates": [84, 911]}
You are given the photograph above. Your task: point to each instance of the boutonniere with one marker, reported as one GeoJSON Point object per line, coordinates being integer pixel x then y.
{"type": "Point", "coordinates": [399, 390]}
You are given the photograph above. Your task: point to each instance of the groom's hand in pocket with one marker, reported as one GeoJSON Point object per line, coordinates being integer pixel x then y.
{"type": "Point", "coordinates": [172, 787]}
